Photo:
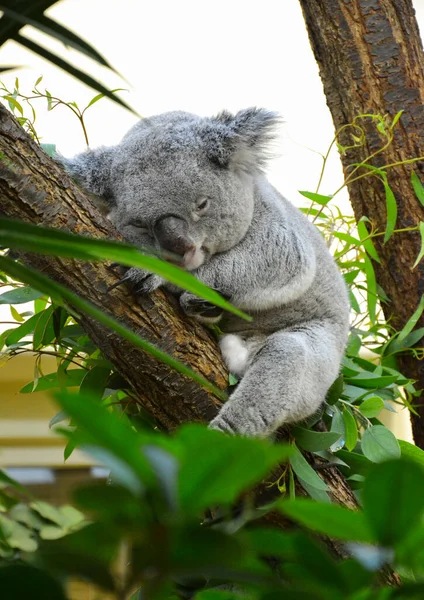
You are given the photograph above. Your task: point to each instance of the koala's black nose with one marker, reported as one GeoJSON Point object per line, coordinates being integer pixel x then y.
{"type": "Point", "coordinates": [172, 234]}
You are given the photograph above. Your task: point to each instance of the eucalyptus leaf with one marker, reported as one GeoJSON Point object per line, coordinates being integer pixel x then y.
{"type": "Point", "coordinates": [371, 407]}
{"type": "Point", "coordinates": [393, 497]}
{"type": "Point", "coordinates": [328, 519]}
{"type": "Point", "coordinates": [379, 444]}
{"type": "Point", "coordinates": [351, 428]}
{"type": "Point", "coordinates": [314, 440]}
{"type": "Point", "coordinates": [19, 295]}
{"type": "Point", "coordinates": [305, 472]}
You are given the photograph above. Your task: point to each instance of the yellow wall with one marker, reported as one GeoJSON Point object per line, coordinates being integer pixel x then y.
{"type": "Point", "coordinates": [25, 437]}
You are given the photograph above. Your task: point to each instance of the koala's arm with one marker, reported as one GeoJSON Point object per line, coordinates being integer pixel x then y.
{"type": "Point", "coordinates": [270, 267]}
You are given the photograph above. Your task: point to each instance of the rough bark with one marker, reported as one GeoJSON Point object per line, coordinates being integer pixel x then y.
{"type": "Point", "coordinates": [370, 58]}
{"type": "Point", "coordinates": [35, 189]}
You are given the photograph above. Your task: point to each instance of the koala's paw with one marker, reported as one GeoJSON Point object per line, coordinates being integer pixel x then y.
{"type": "Point", "coordinates": [143, 282]}
{"type": "Point", "coordinates": [200, 309]}
{"type": "Point", "coordinates": [220, 423]}
{"type": "Point", "coordinates": [138, 280]}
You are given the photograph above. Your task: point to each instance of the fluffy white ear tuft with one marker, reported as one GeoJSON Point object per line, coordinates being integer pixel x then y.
{"type": "Point", "coordinates": [241, 141]}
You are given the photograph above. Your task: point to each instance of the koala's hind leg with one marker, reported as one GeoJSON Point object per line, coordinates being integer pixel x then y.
{"type": "Point", "coordinates": [284, 381]}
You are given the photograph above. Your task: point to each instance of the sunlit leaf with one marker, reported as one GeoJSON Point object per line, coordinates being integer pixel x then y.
{"type": "Point", "coordinates": [379, 444]}
{"type": "Point", "coordinates": [351, 429]}
{"type": "Point", "coordinates": [421, 252]}
{"type": "Point", "coordinates": [318, 198]}
{"type": "Point", "coordinates": [417, 187]}
{"type": "Point", "coordinates": [304, 470]}
{"type": "Point", "coordinates": [391, 211]}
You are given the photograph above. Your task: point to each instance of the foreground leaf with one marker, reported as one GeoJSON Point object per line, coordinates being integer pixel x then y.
{"type": "Point", "coordinates": [393, 497]}
{"type": "Point", "coordinates": [328, 519]}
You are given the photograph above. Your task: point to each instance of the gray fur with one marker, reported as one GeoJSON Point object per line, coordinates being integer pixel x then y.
{"type": "Point", "coordinates": [196, 184]}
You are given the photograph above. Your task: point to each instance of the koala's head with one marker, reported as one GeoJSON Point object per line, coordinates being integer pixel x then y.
{"type": "Point", "coordinates": [181, 183]}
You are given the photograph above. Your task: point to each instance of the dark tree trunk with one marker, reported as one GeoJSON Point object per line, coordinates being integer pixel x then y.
{"type": "Point", "coordinates": [35, 189]}
{"type": "Point", "coordinates": [371, 60]}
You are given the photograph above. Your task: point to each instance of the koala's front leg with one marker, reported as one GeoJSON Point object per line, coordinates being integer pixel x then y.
{"type": "Point", "coordinates": [200, 309]}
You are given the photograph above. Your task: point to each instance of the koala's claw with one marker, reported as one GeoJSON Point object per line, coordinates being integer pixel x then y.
{"type": "Point", "coordinates": [199, 308]}
{"type": "Point", "coordinates": [117, 283]}
{"type": "Point", "coordinates": [149, 284]}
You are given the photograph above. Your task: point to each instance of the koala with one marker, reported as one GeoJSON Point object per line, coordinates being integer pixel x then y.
{"type": "Point", "coordinates": [195, 187]}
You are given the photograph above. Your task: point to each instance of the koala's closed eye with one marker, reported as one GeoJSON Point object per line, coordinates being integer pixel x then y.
{"type": "Point", "coordinates": [142, 227]}
{"type": "Point", "coordinates": [202, 205]}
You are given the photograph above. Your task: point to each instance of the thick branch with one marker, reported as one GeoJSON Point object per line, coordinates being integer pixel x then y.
{"type": "Point", "coordinates": [35, 189]}
{"type": "Point", "coordinates": [370, 57]}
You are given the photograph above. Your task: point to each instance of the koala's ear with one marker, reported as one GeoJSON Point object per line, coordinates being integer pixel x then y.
{"type": "Point", "coordinates": [241, 141]}
{"type": "Point", "coordinates": [92, 170]}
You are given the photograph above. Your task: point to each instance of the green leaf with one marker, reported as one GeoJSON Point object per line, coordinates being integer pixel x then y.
{"type": "Point", "coordinates": [395, 345]}
{"type": "Point", "coordinates": [328, 519]}
{"type": "Point", "coordinates": [44, 330]}
{"type": "Point", "coordinates": [379, 444]}
{"type": "Point", "coordinates": [87, 553]}
{"type": "Point", "coordinates": [32, 238]}
{"type": "Point", "coordinates": [59, 292]}
{"type": "Point", "coordinates": [4, 478]}
{"type": "Point", "coordinates": [357, 462]}
{"type": "Point", "coordinates": [58, 418]}
{"type": "Point", "coordinates": [313, 492]}
{"type": "Point", "coordinates": [351, 429]}
{"type": "Point", "coordinates": [372, 407]}
{"type": "Point", "coordinates": [19, 295]}
{"type": "Point", "coordinates": [68, 68]}
{"type": "Point", "coordinates": [412, 321]}
{"type": "Point", "coordinates": [99, 427]}
{"type": "Point", "coordinates": [231, 463]}
{"type": "Point", "coordinates": [335, 390]}
{"type": "Point", "coordinates": [304, 470]}
{"type": "Point", "coordinates": [421, 253]}
{"type": "Point", "coordinates": [72, 378]}
{"type": "Point", "coordinates": [314, 440]}
{"type": "Point", "coordinates": [13, 104]}
{"type": "Point", "coordinates": [55, 30]}
{"type": "Point", "coordinates": [18, 581]}
{"type": "Point", "coordinates": [411, 452]}
{"type": "Point", "coordinates": [317, 198]}
{"type": "Point", "coordinates": [100, 96]}
{"type": "Point", "coordinates": [366, 240]}
{"type": "Point", "coordinates": [371, 289]}
{"type": "Point", "coordinates": [396, 119]}
{"type": "Point", "coordinates": [393, 497]}
{"type": "Point", "coordinates": [370, 380]}
{"type": "Point", "coordinates": [391, 209]}
{"type": "Point", "coordinates": [94, 382]}
{"type": "Point", "coordinates": [417, 187]}
{"type": "Point", "coordinates": [23, 330]}
{"type": "Point", "coordinates": [354, 302]}
{"type": "Point", "coordinates": [15, 314]}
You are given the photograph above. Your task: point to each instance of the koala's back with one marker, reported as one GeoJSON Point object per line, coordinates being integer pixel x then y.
{"type": "Point", "coordinates": [325, 299]}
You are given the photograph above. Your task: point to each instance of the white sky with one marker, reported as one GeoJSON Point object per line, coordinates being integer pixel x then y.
{"type": "Point", "coordinates": [195, 56]}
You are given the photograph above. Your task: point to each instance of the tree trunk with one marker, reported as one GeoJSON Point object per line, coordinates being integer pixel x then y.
{"type": "Point", "coordinates": [370, 58]}
{"type": "Point", "coordinates": [35, 189]}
